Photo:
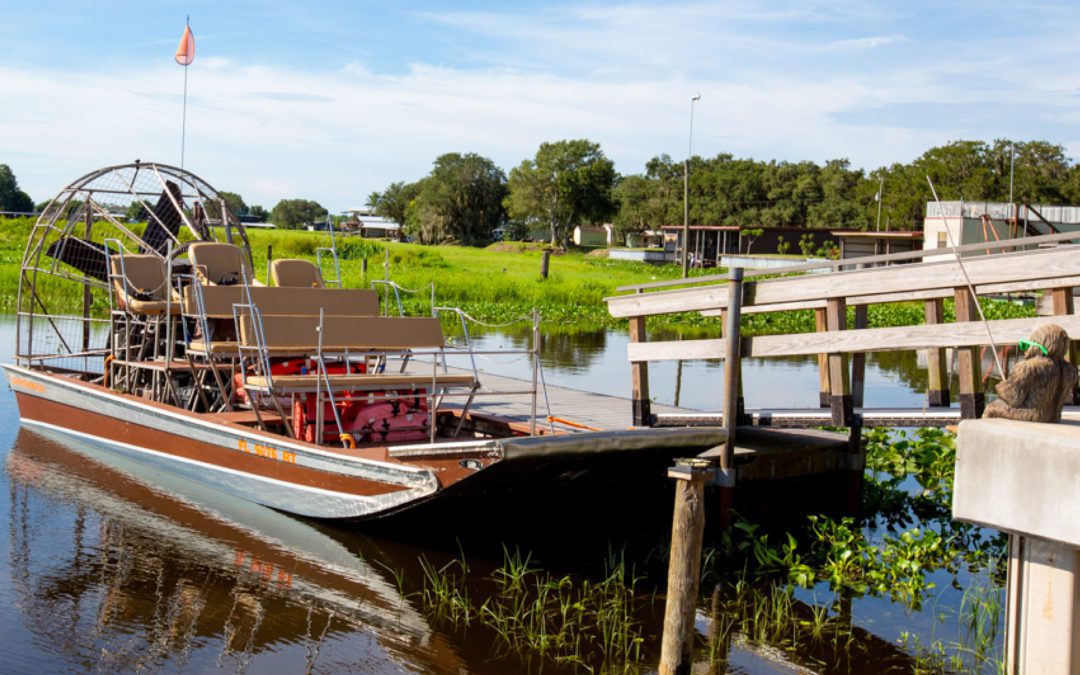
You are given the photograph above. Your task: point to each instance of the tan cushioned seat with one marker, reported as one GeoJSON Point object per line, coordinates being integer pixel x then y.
{"type": "Point", "coordinates": [356, 382]}
{"type": "Point", "coordinates": [295, 272]}
{"type": "Point", "coordinates": [219, 300]}
{"type": "Point", "coordinates": [143, 274]}
{"type": "Point", "coordinates": [217, 263]}
{"type": "Point", "coordinates": [345, 333]}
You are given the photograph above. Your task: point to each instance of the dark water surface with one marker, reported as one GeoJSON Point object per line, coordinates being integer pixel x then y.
{"type": "Point", "coordinates": [106, 565]}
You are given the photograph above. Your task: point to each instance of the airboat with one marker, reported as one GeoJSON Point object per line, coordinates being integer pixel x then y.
{"type": "Point", "coordinates": [143, 329]}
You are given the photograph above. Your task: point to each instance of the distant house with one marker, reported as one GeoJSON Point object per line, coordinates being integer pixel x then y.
{"type": "Point", "coordinates": [962, 223]}
{"type": "Point", "coordinates": [593, 236]}
{"type": "Point", "coordinates": [370, 226]}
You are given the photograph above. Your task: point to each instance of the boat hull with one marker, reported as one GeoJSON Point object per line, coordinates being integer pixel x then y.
{"type": "Point", "coordinates": [253, 465]}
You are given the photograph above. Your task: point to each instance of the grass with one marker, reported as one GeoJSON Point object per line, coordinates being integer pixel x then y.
{"type": "Point", "coordinates": [590, 625]}
{"type": "Point", "coordinates": [496, 285]}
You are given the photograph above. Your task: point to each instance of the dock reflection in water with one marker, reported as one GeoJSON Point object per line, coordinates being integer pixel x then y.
{"type": "Point", "coordinates": [112, 570]}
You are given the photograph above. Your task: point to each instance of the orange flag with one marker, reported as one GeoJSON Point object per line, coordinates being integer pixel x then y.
{"type": "Point", "coordinates": [185, 53]}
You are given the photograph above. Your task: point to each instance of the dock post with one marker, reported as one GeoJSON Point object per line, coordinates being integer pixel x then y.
{"type": "Point", "coordinates": [972, 399]}
{"type": "Point", "coordinates": [1064, 305]}
{"type": "Point", "coordinates": [856, 459]}
{"type": "Point", "coordinates": [938, 390]}
{"type": "Point", "coordinates": [733, 401]}
{"type": "Point", "coordinates": [545, 262]}
{"type": "Point", "coordinates": [821, 325]}
{"type": "Point", "coordinates": [840, 402]}
{"type": "Point", "coordinates": [684, 565]}
{"type": "Point", "coordinates": [639, 377]}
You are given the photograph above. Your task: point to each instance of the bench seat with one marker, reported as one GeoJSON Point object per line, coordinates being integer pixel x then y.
{"type": "Point", "coordinates": [310, 382]}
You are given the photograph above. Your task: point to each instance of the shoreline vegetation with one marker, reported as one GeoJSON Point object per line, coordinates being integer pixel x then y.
{"type": "Point", "coordinates": [496, 284]}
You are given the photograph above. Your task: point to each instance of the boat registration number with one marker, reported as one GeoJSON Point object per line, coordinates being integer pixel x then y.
{"type": "Point", "coordinates": [266, 451]}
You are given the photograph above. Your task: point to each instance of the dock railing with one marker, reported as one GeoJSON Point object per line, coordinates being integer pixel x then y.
{"type": "Point", "coordinates": [1047, 264]}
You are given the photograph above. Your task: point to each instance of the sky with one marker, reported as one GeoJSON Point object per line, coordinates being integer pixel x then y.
{"type": "Point", "coordinates": [333, 100]}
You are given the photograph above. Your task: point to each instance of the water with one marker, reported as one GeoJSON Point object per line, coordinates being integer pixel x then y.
{"type": "Point", "coordinates": [110, 566]}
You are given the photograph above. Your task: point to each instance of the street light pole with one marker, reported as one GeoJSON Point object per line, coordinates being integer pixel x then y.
{"type": "Point", "coordinates": [686, 192]}
{"type": "Point", "coordinates": [880, 197]}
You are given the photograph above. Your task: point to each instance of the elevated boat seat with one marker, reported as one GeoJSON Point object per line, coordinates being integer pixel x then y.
{"type": "Point", "coordinates": [217, 301]}
{"type": "Point", "coordinates": [355, 335]}
{"type": "Point", "coordinates": [141, 286]}
{"type": "Point", "coordinates": [374, 381]}
{"type": "Point", "coordinates": [295, 272]}
{"type": "Point", "coordinates": [221, 264]}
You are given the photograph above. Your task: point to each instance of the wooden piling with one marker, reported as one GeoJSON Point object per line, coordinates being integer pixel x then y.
{"type": "Point", "coordinates": [858, 362]}
{"type": "Point", "coordinates": [545, 262]}
{"type": "Point", "coordinates": [734, 408]}
{"type": "Point", "coordinates": [684, 566]}
{"type": "Point", "coordinates": [936, 365]}
{"type": "Point", "coordinates": [1063, 304]}
{"type": "Point", "coordinates": [840, 403]}
{"type": "Point", "coordinates": [732, 365]}
{"type": "Point", "coordinates": [821, 325]}
{"type": "Point", "coordinates": [639, 378]}
{"type": "Point", "coordinates": [972, 399]}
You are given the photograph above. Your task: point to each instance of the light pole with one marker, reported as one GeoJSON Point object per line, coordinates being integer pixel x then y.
{"type": "Point", "coordinates": [686, 192]}
{"type": "Point", "coordinates": [880, 197]}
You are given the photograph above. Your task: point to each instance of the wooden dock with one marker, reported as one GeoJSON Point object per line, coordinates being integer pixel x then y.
{"type": "Point", "coordinates": [759, 453]}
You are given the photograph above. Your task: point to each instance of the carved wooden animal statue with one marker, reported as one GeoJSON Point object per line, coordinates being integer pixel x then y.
{"type": "Point", "coordinates": [1038, 386]}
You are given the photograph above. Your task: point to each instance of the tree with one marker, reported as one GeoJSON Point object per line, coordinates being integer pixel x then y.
{"type": "Point", "coordinates": [256, 211]}
{"type": "Point", "coordinates": [751, 234]}
{"type": "Point", "coordinates": [11, 197]}
{"type": "Point", "coordinates": [136, 212]}
{"type": "Point", "coordinates": [461, 199]}
{"type": "Point", "coordinates": [296, 213]}
{"type": "Point", "coordinates": [233, 202]}
{"type": "Point", "coordinates": [393, 202]}
{"type": "Point", "coordinates": [567, 182]}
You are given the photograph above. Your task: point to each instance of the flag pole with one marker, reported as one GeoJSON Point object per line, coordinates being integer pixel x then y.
{"type": "Point", "coordinates": [183, 119]}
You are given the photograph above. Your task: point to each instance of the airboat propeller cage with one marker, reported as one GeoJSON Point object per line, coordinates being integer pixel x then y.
{"type": "Point", "coordinates": [64, 279]}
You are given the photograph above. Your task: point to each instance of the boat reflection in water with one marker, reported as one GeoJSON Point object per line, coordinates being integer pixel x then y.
{"type": "Point", "coordinates": [151, 579]}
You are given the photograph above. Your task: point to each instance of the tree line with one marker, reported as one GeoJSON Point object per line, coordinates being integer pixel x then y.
{"type": "Point", "coordinates": [465, 198]}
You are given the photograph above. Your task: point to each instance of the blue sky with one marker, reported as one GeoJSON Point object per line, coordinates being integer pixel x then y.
{"type": "Point", "coordinates": [331, 100]}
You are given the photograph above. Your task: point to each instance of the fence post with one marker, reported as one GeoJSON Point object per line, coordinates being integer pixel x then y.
{"type": "Point", "coordinates": [545, 261]}
{"type": "Point", "coordinates": [821, 325]}
{"type": "Point", "coordinates": [733, 400]}
{"type": "Point", "coordinates": [840, 403]}
{"type": "Point", "coordinates": [639, 377]}
{"type": "Point", "coordinates": [972, 398]}
{"type": "Point", "coordinates": [684, 566]}
{"type": "Point", "coordinates": [936, 366]}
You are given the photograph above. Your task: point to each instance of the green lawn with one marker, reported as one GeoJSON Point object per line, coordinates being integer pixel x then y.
{"type": "Point", "coordinates": [495, 286]}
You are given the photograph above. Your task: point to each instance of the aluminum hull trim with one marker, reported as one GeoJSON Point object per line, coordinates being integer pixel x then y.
{"type": "Point", "coordinates": [51, 404]}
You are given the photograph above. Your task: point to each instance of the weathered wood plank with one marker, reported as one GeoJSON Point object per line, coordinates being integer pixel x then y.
{"type": "Point", "coordinates": [967, 334]}
{"type": "Point", "coordinates": [1027, 242]}
{"type": "Point", "coordinates": [971, 396]}
{"type": "Point", "coordinates": [935, 294]}
{"type": "Point", "coordinates": [902, 282]}
{"type": "Point", "coordinates": [937, 368]}
{"type": "Point", "coordinates": [840, 403]}
{"type": "Point", "coordinates": [639, 377]}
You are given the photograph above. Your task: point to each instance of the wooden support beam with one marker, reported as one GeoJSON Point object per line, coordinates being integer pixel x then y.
{"type": "Point", "coordinates": [898, 338]}
{"type": "Point", "coordinates": [639, 377]}
{"type": "Point", "coordinates": [840, 402]}
{"type": "Point", "coordinates": [1063, 304]}
{"type": "Point", "coordinates": [822, 326]}
{"type": "Point", "coordinates": [858, 362]}
{"type": "Point", "coordinates": [902, 282]}
{"type": "Point", "coordinates": [937, 368]}
{"type": "Point", "coordinates": [684, 566]}
{"type": "Point", "coordinates": [732, 367]}
{"type": "Point", "coordinates": [972, 399]}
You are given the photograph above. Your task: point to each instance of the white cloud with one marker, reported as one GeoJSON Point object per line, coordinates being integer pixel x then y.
{"type": "Point", "coordinates": [614, 74]}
